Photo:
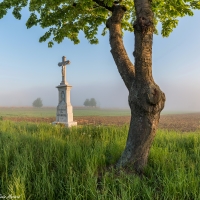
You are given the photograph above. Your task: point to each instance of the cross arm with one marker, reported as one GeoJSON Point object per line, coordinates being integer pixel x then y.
{"type": "Point", "coordinates": [67, 62]}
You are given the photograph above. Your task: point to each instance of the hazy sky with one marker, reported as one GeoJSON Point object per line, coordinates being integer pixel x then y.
{"type": "Point", "coordinates": [29, 69]}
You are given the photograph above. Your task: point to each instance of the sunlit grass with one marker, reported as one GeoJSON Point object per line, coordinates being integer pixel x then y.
{"type": "Point", "coordinates": [41, 161]}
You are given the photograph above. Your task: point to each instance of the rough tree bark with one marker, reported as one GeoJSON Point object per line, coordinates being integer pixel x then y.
{"type": "Point", "coordinates": [146, 100]}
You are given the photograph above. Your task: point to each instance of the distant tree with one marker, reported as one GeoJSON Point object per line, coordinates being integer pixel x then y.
{"type": "Point", "coordinates": [87, 102]}
{"type": "Point", "coordinates": [93, 102]}
{"type": "Point", "coordinates": [37, 103]}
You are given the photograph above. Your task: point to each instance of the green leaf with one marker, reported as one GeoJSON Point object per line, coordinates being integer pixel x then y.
{"type": "Point", "coordinates": [32, 20]}
{"type": "Point", "coordinates": [16, 13]}
{"type": "Point", "coordinates": [50, 44]}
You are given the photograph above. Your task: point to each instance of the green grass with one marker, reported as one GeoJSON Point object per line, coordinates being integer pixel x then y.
{"type": "Point", "coordinates": [51, 112]}
{"type": "Point", "coordinates": [27, 112]}
{"type": "Point", "coordinates": [41, 161]}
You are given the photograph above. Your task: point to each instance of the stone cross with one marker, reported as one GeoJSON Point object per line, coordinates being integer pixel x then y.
{"type": "Point", "coordinates": [63, 65]}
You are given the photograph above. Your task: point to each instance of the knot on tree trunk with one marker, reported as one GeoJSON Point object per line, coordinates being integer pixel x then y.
{"type": "Point", "coordinates": [153, 94]}
{"type": "Point", "coordinates": [147, 97]}
{"type": "Point", "coordinates": [144, 21]}
{"type": "Point", "coordinates": [143, 24]}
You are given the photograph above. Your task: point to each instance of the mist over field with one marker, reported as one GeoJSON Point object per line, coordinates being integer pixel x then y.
{"type": "Point", "coordinates": [33, 71]}
{"type": "Point", "coordinates": [180, 97]}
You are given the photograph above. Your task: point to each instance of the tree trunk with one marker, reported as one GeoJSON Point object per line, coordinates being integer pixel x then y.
{"type": "Point", "coordinates": [146, 100]}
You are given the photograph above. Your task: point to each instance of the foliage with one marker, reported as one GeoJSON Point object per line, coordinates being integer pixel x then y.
{"type": "Point", "coordinates": [41, 161]}
{"type": "Point", "coordinates": [67, 18]}
{"type": "Point", "coordinates": [37, 103]}
{"type": "Point", "coordinates": [86, 102]}
{"type": "Point", "coordinates": [168, 12]}
{"type": "Point", "coordinates": [92, 102]}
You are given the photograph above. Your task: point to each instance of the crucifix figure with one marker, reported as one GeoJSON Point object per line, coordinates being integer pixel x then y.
{"type": "Point", "coordinates": [63, 65]}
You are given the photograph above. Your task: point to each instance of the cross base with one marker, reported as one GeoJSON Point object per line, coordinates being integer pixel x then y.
{"type": "Point", "coordinates": [64, 114]}
{"type": "Point", "coordinates": [67, 124]}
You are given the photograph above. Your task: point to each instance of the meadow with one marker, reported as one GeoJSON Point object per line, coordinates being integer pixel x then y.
{"type": "Point", "coordinates": [51, 112]}
{"type": "Point", "coordinates": [41, 161]}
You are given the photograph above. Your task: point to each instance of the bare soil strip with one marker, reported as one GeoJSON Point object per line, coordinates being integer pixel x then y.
{"type": "Point", "coordinates": [178, 122]}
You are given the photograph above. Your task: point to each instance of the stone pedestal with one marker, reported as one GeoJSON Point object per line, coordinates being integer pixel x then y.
{"type": "Point", "coordinates": [64, 113]}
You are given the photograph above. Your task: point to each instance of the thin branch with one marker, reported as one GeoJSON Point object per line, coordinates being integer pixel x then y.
{"type": "Point", "coordinates": [102, 4]}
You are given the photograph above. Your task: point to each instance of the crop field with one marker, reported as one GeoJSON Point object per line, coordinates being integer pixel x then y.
{"type": "Point", "coordinates": [41, 161]}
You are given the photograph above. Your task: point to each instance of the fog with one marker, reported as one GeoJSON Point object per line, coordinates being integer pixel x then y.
{"type": "Point", "coordinates": [182, 97]}
{"type": "Point", "coordinates": [106, 96]}
{"type": "Point", "coordinates": [33, 72]}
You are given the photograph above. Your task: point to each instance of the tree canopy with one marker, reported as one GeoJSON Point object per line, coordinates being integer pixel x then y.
{"type": "Point", "coordinates": [90, 102]}
{"type": "Point", "coordinates": [86, 102]}
{"type": "Point", "coordinates": [66, 18]}
{"type": "Point", "coordinates": [37, 103]}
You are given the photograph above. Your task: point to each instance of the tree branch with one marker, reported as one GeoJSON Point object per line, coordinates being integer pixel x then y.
{"type": "Point", "coordinates": [124, 65]}
{"type": "Point", "coordinates": [101, 3]}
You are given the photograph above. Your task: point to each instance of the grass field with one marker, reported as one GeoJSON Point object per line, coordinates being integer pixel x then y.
{"type": "Point", "coordinates": [41, 161]}
{"type": "Point", "coordinates": [51, 112]}
{"type": "Point", "coordinates": [78, 111]}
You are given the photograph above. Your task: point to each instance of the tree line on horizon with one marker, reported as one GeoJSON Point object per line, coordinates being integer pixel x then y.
{"type": "Point", "coordinates": [90, 102]}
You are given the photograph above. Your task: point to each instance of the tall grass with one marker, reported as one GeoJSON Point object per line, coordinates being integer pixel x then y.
{"type": "Point", "coordinates": [41, 161]}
